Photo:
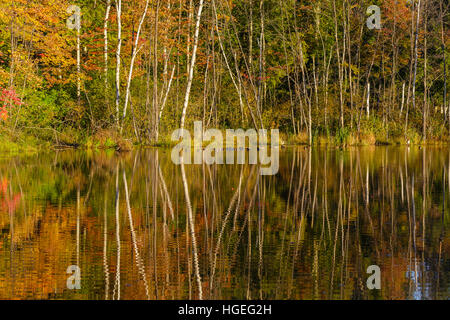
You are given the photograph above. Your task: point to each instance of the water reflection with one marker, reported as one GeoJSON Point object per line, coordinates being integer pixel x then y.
{"type": "Point", "coordinates": [140, 227]}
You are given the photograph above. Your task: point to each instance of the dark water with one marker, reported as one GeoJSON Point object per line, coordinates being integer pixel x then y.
{"type": "Point", "coordinates": [309, 232]}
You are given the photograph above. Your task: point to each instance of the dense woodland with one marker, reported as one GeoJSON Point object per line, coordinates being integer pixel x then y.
{"type": "Point", "coordinates": [139, 69]}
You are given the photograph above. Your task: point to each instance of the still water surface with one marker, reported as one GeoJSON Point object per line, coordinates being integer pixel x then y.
{"type": "Point", "coordinates": [309, 232]}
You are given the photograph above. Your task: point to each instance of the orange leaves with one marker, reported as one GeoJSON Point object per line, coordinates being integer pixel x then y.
{"type": "Point", "coordinates": [39, 29]}
{"type": "Point", "coordinates": [3, 185]}
{"type": "Point", "coordinates": [3, 115]}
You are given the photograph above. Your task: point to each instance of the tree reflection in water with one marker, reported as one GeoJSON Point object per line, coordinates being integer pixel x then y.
{"type": "Point", "coordinates": [140, 227]}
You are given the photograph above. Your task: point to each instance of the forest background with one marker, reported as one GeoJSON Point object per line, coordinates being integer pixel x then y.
{"type": "Point", "coordinates": [136, 70]}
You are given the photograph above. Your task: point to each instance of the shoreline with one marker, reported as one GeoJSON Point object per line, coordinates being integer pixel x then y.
{"type": "Point", "coordinates": [31, 144]}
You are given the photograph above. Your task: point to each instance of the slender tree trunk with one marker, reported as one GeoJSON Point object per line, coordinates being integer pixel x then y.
{"type": "Point", "coordinates": [13, 43]}
{"type": "Point", "coordinates": [368, 100]}
{"type": "Point", "coordinates": [261, 81]}
{"type": "Point", "coordinates": [249, 69]}
{"type": "Point", "coordinates": [416, 49]}
{"type": "Point", "coordinates": [189, 25]}
{"type": "Point", "coordinates": [425, 80]}
{"type": "Point", "coordinates": [105, 51]}
{"type": "Point", "coordinates": [403, 98]}
{"type": "Point", "coordinates": [79, 63]}
{"type": "Point", "coordinates": [326, 82]}
{"type": "Point", "coordinates": [341, 100]}
{"type": "Point", "coordinates": [447, 108]}
{"type": "Point", "coordinates": [147, 92]}
{"type": "Point", "coordinates": [349, 56]}
{"type": "Point", "coordinates": [237, 82]}
{"type": "Point", "coordinates": [394, 62]}
{"type": "Point", "coordinates": [118, 50]}
{"type": "Point", "coordinates": [411, 64]}
{"type": "Point", "coordinates": [288, 71]}
{"type": "Point", "coordinates": [192, 64]}
{"type": "Point", "coordinates": [155, 73]}
{"type": "Point", "coordinates": [133, 58]}
{"type": "Point", "coordinates": [163, 104]}
{"type": "Point", "coordinates": [250, 36]}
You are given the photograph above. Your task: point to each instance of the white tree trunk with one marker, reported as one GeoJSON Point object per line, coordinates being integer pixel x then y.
{"type": "Point", "coordinates": [368, 100]}
{"type": "Point", "coordinates": [192, 64]}
{"type": "Point", "coordinates": [155, 74]}
{"type": "Point", "coordinates": [133, 58]}
{"type": "Point", "coordinates": [403, 98]}
{"type": "Point", "coordinates": [416, 55]}
{"type": "Point", "coordinates": [78, 63]}
{"type": "Point", "coordinates": [119, 46]}
{"type": "Point", "coordinates": [163, 104]}
{"type": "Point", "coordinates": [105, 50]}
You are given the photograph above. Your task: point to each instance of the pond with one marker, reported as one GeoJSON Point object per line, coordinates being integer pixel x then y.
{"type": "Point", "coordinates": [309, 232]}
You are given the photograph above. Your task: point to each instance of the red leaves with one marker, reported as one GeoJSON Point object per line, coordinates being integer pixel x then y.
{"type": "Point", "coordinates": [7, 203]}
{"type": "Point", "coordinates": [8, 99]}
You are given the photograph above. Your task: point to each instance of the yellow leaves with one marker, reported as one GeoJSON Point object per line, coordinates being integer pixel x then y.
{"type": "Point", "coordinates": [39, 28]}
{"type": "Point", "coordinates": [3, 16]}
{"type": "Point", "coordinates": [4, 77]}
{"type": "Point", "coordinates": [223, 17]}
{"type": "Point", "coordinates": [354, 68]}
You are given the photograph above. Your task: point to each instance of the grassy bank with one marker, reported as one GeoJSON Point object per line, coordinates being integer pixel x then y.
{"type": "Point", "coordinates": [362, 139]}
{"type": "Point", "coordinates": [32, 141]}
{"type": "Point", "coordinates": [14, 142]}
{"type": "Point", "coordinates": [374, 132]}
{"type": "Point", "coordinates": [343, 138]}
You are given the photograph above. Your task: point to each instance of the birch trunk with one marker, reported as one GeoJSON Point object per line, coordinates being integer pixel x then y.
{"type": "Point", "coordinates": [192, 64]}
{"type": "Point", "coordinates": [341, 100]}
{"type": "Point", "coordinates": [236, 82]}
{"type": "Point", "coordinates": [368, 100]}
{"type": "Point", "coordinates": [78, 63]}
{"type": "Point", "coordinates": [447, 111]}
{"type": "Point", "coordinates": [425, 82]}
{"type": "Point", "coordinates": [416, 55]}
{"type": "Point", "coordinates": [403, 98]}
{"type": "Point", "coordinates": [155, 74]}
{"type": "Point", "coordinates": [163, 104]}
{"type": "Point", "coordinates": [119, 47]}
{"type": "Point", "coordinates": [105, 50]}
{"type": "Point", "coordinates": [133, 58]}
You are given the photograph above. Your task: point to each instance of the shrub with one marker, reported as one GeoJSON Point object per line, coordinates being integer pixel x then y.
{"type": "Point", "coordinates": [8, 100]}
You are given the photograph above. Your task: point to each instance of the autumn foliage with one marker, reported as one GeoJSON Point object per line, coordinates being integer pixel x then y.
{"type": "Point", "coordinates": [309, 68]}
{"type": "Point", "coordinates": [8, 100]}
